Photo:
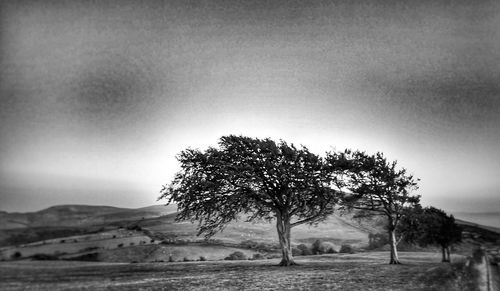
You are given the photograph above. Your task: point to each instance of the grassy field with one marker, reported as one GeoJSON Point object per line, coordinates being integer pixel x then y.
{"type": "Point", "coordinates": [116, 241]}
{"type": "Point", "coordinates": [363, 271]}
{"type": "Point", "coordinates": [75, 244]}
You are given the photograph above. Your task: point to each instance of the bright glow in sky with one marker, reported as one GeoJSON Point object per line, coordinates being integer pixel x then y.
{"type": "Point", "coordinates": [98, 98]}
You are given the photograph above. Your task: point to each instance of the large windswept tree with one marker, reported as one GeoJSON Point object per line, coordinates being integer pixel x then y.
{"type": "Point", "coordinates": [376, 187]}
{"type": "Point", "coordinates": [259, 178]}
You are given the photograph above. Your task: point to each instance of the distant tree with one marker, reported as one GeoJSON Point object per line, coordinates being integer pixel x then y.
{"type": "Point", "coordinates": [16, 255]}
{"type": "Point", "coordinates": [377, 240]}
{"type": "Point", "coordinates": [320, 247]}
{"type": "Point", "coordinates": [431, 226]}
{"type": "Point", "coordinates": [306, 251]}
{"type": "Point", "coordinates": [315, 247]}
{"type": "Point", "coordinates": [346, 248]}
{"type": "Point", "coordinates": [410, 225]}
{"type": "Point", "coordinates": [257, 177]}
{"type": "Point", "coordinates": [376, 186]}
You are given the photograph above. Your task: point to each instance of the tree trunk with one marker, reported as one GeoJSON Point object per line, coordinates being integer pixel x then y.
{"type": "Point", "coordinates": [394, 249]}
{"type": "Point", "coordinates": [283, 227]}
{"type": "Point", "coordinates": [446, 254]}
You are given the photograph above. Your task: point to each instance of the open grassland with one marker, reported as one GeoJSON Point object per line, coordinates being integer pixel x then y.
{"type": "Point", "coordinates": [119, 241]}
{"type": "Point", "coordinates": [336, 229]}
{"type": "Point", "coordinates": [364, 271]}
{"type": "Point", "coordinates": [156, 224]}
{"type": "Point", "coordinates": [101, 241]}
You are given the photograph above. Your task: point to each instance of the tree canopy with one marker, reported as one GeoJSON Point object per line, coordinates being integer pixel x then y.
{"type": "Point", "coordinates": [260, 178]}
{"type": "Point", "coordinates": [376, 186]}
{"type": "Point", "coordinates": [431, 226]}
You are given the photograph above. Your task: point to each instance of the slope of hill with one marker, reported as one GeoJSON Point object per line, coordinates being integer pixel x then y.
{"type": "Point", "coordinates": [160, 219]}
{"type": "Point", "coordinates": [336, 229]}
{"type": "Point", "coordinates": [152, 233]}
{"type": "Point", "coordinates": [61, 228]}
{"type": "Point", "coordinates": [79, 216]}
{"type": "Point", "coordinates": [467, 225]}
{"type": "Point", "coordinates": [484, 218]}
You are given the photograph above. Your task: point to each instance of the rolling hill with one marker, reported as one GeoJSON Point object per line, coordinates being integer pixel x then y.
{"type": "Point", "coordinates": [79, 216]}
{"type": "Point", "coordinates": [76, 229]}
{"type": "Point", "coordinates": [491, 219]}
{"type": "Point", "coordinates": [152, 233]}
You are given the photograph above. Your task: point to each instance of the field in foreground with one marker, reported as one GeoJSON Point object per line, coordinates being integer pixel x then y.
{"type": "Point", "coordinates": [363, 271]}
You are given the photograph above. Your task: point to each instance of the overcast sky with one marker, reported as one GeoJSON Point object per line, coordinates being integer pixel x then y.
{"type": "Point", "coordinates": [98, 98]}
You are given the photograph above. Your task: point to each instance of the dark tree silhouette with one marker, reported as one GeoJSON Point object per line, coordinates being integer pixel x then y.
{"type": "Point", "coordinates": [256, 177]}
{"type": "Point", "coordinates": [431, 226]}
{"type": "Point", "coordinates": [376, 187]}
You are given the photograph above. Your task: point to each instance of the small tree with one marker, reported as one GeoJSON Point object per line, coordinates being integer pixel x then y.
{"type": "Point", "coordinates": [376, 187]}
{"type": "Point", "coordinates": [432, 226]}
{"type": "Point", "coordinates": [257, 177]}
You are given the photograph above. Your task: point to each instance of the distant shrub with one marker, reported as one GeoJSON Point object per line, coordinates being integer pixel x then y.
{"type": "Point", "coordinates": [62, 241]}
{"type": "Point", "coordinates": [319, 247]}
{"type": "Point", "coordinates": [315, 247]}
{"type": "Point", "coordinates": [170, 259]}
{"type": "Point", "coordinates": [93, 257]}
{"type": "Point", "coordinates": [186, 259]}
{"type": "Point", "coordinates": [132, 244]}
{"type": "Point", "coordinates": [202, 258]}
{"type": "Point", "coordinates": [236, 256]}
{"type": "Point", "coordinates": [345, 248]}
{"type": "Point", "coordinates": [134, 227]}
{"type": "Point", "coordinates": [44, 257]}
{"type": "Point", "coordinates": [114, 236]}
{"type": "Point", "coordinates": [152, 241]}
{"type": "Point", "coordinates": [258, 257]}
{"type": "Point", "coordinates": [120, 245]}
{"type": "Point", "coordinates": [306, 251]}
{"type": "Point", "coordinates": [16, 255]}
